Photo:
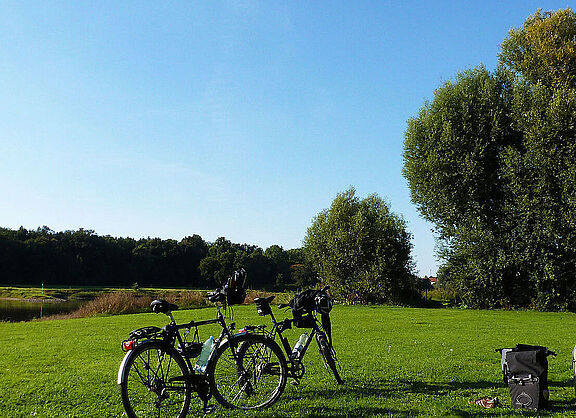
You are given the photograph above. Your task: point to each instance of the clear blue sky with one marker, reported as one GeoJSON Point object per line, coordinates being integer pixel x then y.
{"type": "Point", "coordinates": [235, 119]}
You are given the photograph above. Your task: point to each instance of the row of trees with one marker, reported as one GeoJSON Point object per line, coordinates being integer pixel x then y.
{"type": "Point", "coordinates": [491, 161]}
{"type": "Point", "coordinates": [83, 258]}
{"type": "Point", "coordinates": [357, 246]}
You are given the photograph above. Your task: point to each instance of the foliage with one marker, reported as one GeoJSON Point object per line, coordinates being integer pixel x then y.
{"type": "Point", "coordinates": [396, 361]}
{"type": "Point", "coordinates": [362, 250]}
{"type": "Point", "coordinates": [83, 258]}
{"type": "Point", "coordinates": [491, 161]}
{"type": "Point", "coordinates": [543, 50]}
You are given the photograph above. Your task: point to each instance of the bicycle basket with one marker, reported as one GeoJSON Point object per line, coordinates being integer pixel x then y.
{"type": "Point", "coordinates": [235, 296]}
{"type": "Point", "coordinates": [234, 288]}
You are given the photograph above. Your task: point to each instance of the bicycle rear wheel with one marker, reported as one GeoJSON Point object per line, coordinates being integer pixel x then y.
{"type": "Point", "coordinates": [154, 384]}
{"type": "Point", "coordinates": [329, 356]}
{"type": "Point", "coordinates": [248, 378]}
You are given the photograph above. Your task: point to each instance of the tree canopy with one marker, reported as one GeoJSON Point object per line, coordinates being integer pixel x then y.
{"type": "Point", "coordinates": [543, 50]}
{"type": "Point", "coordinates": [491, 161]}
{"type": "Point", "coordinates": [362, 250]}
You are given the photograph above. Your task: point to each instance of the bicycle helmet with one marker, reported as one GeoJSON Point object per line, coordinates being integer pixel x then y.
{"type": "Point", "coordinates": [323, 303]}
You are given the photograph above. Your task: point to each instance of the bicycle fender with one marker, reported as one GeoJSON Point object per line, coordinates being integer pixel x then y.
{"type": "Point", "coordinates": [121, 374]}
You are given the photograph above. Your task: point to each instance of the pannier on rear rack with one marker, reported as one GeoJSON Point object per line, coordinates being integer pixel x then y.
{"type": "Point", "coordinates": [525, 369]}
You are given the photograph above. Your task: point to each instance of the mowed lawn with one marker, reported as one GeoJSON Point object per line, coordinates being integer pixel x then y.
{"type": "Point", "coordinates": [396, 362]}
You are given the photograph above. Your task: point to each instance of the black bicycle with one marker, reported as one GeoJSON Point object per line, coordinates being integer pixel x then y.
{"type": "Point", "coordinates": [312, 302]}
{"type": "Point", "coordinates": [158, 378]}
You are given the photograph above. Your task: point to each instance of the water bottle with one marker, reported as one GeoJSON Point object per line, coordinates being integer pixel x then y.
{"type": "Point", "coordinates": [202, 361]}
{"type": "Point", "coordinates": [299, 346]}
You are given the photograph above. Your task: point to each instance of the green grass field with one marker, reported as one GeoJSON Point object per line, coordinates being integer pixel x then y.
{"type": "Point", "coordinates": [397, 362]}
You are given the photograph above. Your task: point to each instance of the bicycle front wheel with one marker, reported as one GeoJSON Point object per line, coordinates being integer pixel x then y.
{"type": "Point", "coordinates": [154, 383]}
{"type": "Point", "coordinates": [328, 356]}
{"type": "Point", "coordinates": [248, 378]}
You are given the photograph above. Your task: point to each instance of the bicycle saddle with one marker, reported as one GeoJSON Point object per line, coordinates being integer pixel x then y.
{"type": "Point", "coordinates": [162, 306]}
{"type": "Point", "coordinates": [268, 299]}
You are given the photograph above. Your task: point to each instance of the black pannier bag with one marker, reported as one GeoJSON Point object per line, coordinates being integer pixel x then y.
{"type": "Point", "coordinates": [234, 288]}
{"type": "Point", "coordinates": [309, 301]}
{"type": "Point", "coordinates": [233, 292]}
{"type": "Point", "coordinates": [262, 306]}
{"type": "Point", "coordinates": [525, 370]}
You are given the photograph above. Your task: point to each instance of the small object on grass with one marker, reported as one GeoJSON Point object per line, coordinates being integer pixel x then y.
{"type": "Point", "coordinates": [486, 402]}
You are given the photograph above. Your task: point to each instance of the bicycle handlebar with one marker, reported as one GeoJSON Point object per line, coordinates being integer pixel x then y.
{"type": "Point", "coordinates": [216, 296]}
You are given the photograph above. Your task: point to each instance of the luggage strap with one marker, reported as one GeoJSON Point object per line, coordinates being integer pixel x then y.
{"type": "Point", "coordinates": [523, 380]}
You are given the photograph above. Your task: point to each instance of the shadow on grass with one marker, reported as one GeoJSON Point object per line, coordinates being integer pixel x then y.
{"type": "Point", "coordinates": [457, 395]}
{"type": "Point", "coordinates": [312, 411]}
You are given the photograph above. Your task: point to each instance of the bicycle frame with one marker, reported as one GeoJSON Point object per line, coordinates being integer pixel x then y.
{"type": "Point", "coordinates": [296, 369]}
{"type": "Point", "coordinates": [280, 327]}
{"type": "Point", "coordinates": [170, 336]}
{"type": "Point", "coordinates": [174, 329]}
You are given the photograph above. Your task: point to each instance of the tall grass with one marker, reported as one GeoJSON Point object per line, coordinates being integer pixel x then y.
{"type": "Point", "coordinates": [128, 302]}
{"type": "Point", "coordinates": [109, 304]}
{"type": "Point", "coordinates": [444, 294]}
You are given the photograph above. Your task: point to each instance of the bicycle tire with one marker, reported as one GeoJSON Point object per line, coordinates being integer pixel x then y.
{"type": "Point", "coordinates": [146, 389]}
{"type": "Point", "coordinates": [255, 380]}
{"type": "Point", "coordinates": [328, 356]}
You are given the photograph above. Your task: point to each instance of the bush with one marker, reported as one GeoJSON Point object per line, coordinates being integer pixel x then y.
{"type": "Point", "coordinates": [362, 250]}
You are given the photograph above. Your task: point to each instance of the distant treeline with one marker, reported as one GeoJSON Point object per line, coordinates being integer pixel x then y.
{"type": "Point", "coordinates": [83, 258]}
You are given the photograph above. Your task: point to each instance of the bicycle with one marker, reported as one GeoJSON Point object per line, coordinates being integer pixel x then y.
{"type": "Point", "coordinates": [294, 356]}
{"type": "Point", "coordinates": [157, 377]}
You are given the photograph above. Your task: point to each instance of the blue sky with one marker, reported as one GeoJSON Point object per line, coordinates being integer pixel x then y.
{"type": "Point", "coordinates": [217, 118]}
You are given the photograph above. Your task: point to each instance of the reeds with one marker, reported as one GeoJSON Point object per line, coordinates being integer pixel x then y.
{"type": "Point", "coordinates": [134, 301]}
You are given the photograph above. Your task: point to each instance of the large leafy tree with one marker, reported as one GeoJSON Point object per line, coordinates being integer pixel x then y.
{"type": "Point", "coordinates": [491, 161]}
{"type": "Point", "coordinates": [362, 250]}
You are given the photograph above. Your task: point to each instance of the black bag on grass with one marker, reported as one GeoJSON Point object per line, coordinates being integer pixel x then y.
{"type": "Point", "coordinates": [525, 369]}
